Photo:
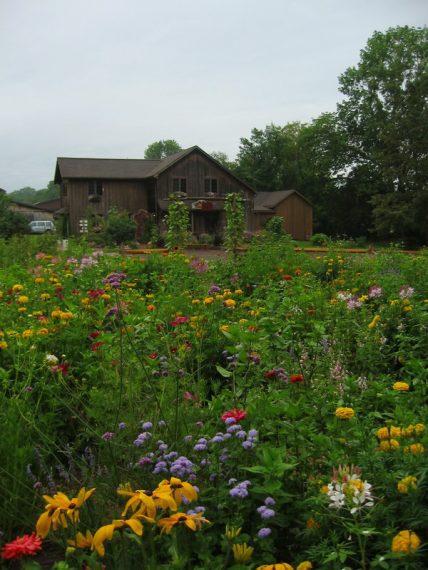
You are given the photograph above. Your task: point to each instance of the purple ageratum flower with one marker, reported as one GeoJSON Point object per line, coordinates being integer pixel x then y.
{"type": "Point", "coordinates": [247, 444]}
{"type": "Point", "coordinates": [230, 421]}
{"type": "Point", "coordinates": [269, 501]}
{"type": "Point", "coordinates": [264, 532]}
{"type": "Point", "coordinates": [142, 438]}
{"type": "Point", "coordinates": [233, 428]}
{"type": "Point", "coordinates": [112, 312]}
{"type": "Point", "coordinates": [107, 436]}
{"type": "Point", "coordinates": [224, 455]}
{"type": "Point", "coordinates": [171, 455]}
{"type": "Point", "coordinates": [122, 425]}
{"type": "Point", "coordinates": [241, 434]}
{"type": "Point", "coordinates": [145, 461]}
{"type": "Point", "coordinates": [147, 425]}
{"type": "Point", "coordinates": [161, 423]}
{"type": "Point", "coordinates": [227, 435]}
{"type": "Point", "coordinates": [214, 289]}
{"type": "Point", "coordinates": [182, 467]}
{"type": "Point", "coordinates": [113, 279]}
{"type": "Point", "coordinates": [200, 447]}
{"type": "Point", "coordinates": [240, 491]}
{"type": "Point", "coordinates": [265, 512]}
{"type": "Point", "coordinates": [353, 303]}
{"type": "Point", "coordinates": [160, 467]}
{"type": "Point", "coordinates": [219, 438]}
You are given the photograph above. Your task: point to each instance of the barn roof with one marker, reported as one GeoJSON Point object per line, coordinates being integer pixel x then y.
{"type": "Point", "coordinates": [267, 201]}
{"type": "Point", "coordinates": [125, 168]}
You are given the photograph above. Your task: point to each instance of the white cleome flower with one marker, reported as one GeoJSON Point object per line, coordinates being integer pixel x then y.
{"type": "Point", "coordinates": [51, 359]}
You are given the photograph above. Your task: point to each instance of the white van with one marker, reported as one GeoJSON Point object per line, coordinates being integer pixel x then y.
{"type": "Point", "coordinates": [41, 226]}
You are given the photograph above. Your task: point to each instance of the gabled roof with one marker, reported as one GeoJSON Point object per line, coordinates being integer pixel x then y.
{"type": "Point", "coordinates": [116, 168]}
{"type": "Point", "coordinates": [265, 201]}
{"type": "Point", "coordinates": [126, 168]}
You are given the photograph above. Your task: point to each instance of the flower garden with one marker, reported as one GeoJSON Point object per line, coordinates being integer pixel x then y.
{"type": "Point", "coordinates": [265, 411]}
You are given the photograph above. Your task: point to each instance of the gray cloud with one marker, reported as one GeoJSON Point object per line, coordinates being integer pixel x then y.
{"type": "Point", "coordinates": [107, 78]}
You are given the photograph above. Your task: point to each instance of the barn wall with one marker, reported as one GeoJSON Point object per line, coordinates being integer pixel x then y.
{"type": "Point", "coordinates": [128, 195]}
{"type": "Point", "coordinates": [297, 214]}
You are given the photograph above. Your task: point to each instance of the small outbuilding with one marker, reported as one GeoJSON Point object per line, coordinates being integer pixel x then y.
{"type": "Point", "coordinates": [295, 210]}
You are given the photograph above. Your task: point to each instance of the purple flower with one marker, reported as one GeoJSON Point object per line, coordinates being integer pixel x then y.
{"type": "Point", "coordinates": [241, 434]}
{"type": "Point", "coordinates": [240, 490]}
{"type": "Point", "coordinates": [161, 423]}
{"type": "Point", "coordinates": [253, 433]}
{"type": "Point", "coordinates": [214, 289]}
{"type": "Point", "coordinates": [265, 512]}
{"type": "Point", "coordinates": [107, 436]}
{"type": "Point", "coordinates": [199, 424]}
{"type": "Point", "coordinates": [233, 428]}
{"type": "Point", "coordinates": [160, 467]}
{"type": "Point", "coordinates": [142, 438]}
{"type": "Point", "coordinates": [182, 467]}
{"type": "Point", "coordinates": [122, 425]}
{"type": "Point", "coordinates": [200, 447]}
{"type": "Point", "coordinates": [375, 292]}
{"type": "Point", "coordinates": [264, 532]}
{"type": "Point", "coordinates": [205, 462]}
{"type": "Point", "coordinates": [217, 438]}
{"type": "Point", "coordinates": [145, 461]}
{"type": "Point", "coordinates": [230, 421]}
{"type": "Point", "coordinates": [147, 425]}
{"type": "Point", "coordinates": [247, 444]}
{"type": "Point", "coordinates": [269, 501]}
{"type": "Point", "coordinates": [406, 292]}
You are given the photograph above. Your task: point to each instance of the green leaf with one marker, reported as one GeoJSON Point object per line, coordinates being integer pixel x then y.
{"type": "Point", "coordinates": [223, 372]}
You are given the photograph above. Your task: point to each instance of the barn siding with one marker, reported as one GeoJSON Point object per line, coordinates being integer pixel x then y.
{"type": "Point", "coordinates": [297, 215]}
{"type": "Point", "coordinates": [128, 195]}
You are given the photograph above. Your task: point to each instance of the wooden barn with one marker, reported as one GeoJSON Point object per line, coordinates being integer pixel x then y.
{"type": "Point", "coordinates": [135, 185]}
{"type": "Point", "coordinates": [291, 206]}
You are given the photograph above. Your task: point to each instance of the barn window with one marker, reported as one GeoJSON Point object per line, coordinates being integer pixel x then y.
{"type": "Point", "coordinates": [211, 185]}
{"type": "Point", "coordinates": [95, 188]}
{"type": "Point", "coordinates": [179, 185]}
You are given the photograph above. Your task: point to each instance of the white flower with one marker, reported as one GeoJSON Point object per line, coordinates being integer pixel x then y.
{"type": "Point", "coordinates": [336, 495]}
{"type": "Point", "coordinates": [51, 359]}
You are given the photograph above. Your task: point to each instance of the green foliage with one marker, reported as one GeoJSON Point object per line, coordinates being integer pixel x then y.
{"type": "Point", "coordinates": [178, 221]}
{"type": "Point", "coordinates": [11, 223]}
{"type": "Point", "coordinates": [161, 149]}
{"type": "Point", "coordinates": [320, 239]}
{"type": "Point", "coordinates": [30, 195]}
{"type": "Point", "coordinates": [275, 226]}
{"type": "Point", "coordinates": [119, 228]}
{"type": "Point", "coordinates": [235, 222]}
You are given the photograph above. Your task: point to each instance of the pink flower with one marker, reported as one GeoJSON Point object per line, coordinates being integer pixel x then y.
{"type": "Point", "coordinates": [27, 545]}
{"type": "Point", "coordinates": [179, 321]}
{"type": "Point", "coordinates": [234, 413]}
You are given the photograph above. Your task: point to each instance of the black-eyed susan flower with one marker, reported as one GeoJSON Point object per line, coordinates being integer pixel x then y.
{"type": "Point", "coordinates": [193, 522]}
{"type": "Point", "coordinates": [82, 540]}
{"type": "Point", "coordinates": [106, 532]}
{"type": "Point", "coordinates": [400, 387]}
{"type": "Point", "coordinates": [178, 489]}
{"type": "Point", "coordinates": [58, 508]}
{"type": "Point", "coordinates": [138, 500]}
{"type": "Point", "coordinates": [242, 552]}
{"type": "Point", "coordinates": [276, 566]}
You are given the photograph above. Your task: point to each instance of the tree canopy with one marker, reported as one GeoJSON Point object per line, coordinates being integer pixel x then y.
{"type": "Point", "coordinates": [30, 195]}
{"type": "Point", "coordinates": [161, 149]}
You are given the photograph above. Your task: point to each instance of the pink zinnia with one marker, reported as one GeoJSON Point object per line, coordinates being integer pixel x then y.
{"type": "Point", "coordinates": [27, 545]}
{"type": "Point", "coordinates": [234, 413]}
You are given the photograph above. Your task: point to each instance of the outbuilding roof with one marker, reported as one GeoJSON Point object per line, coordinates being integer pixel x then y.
{"type": "Point", "coordinates": [267, 201]}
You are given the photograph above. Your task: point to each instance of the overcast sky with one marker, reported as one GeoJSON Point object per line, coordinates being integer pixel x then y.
{"type": "Point", "coordinates": [105, 78]}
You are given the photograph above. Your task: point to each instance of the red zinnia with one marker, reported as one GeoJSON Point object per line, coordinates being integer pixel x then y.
{"type": "Point", "coordinates": [96, 345]}
{"type": "Point", "coordinates": [238, 415]}
{"type": "Point", "coordinates": [153, 355]}
{"type": "Point", "coordinates": [27, 545]}
{"type": "Point", "coordinates": [179, 321]}
{"type": "Point", "coordinates": [296, 378]}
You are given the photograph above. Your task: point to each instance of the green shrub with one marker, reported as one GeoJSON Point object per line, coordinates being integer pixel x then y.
{"type": "Point", "coordinates": [320, 240]}
{"type": "Point", "coordinates": [119, 228]}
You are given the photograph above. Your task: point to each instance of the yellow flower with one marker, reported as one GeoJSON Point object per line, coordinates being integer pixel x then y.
{"type": "Point", "coordinates": [389, 445]}
{"type": "Point", "coordinates": [3, 345]}
{"type": "Point", "coordinates": [415, 449]}
{"type": "Point", "coordinates": [56, 314]}
{"type": "Point", "coordinates": [106, 532]}
{"type": "Point", "coordinates": [82, 541]}
{"type": "Point", "coordinates": [374, 322]}
{"type": "Point", "coordinates": [66, 315]}
{"type": "Point", "coordinates": [45, 296]}
{"type": "Point", "coordinates": [57, 507]}
{"type": "Point", "coordinates": [345, 413]}
{"type": "Point", "coordinates": [324, 489]}
{"type": "Point", "coordinates": [42, 332]}
{"type": "Point", "coordinates": [242, 552]}
{"type": "Point", "coordinates": [208, 300]}
{"type": "Point", "coordinates": [407, 484]}
{"type": "Point", "coordinates": [276, 566]}
{"type": "Point", "coordinates": [194, 522]}
{"type": "Point", "coordinates": [178, 489]}
{"type": "Point", "coordinates": [195, 301]}
{"type": "Point", "coordinates": [382, 433]}
{"type": "Point", "coordinates": [224, 328]}
{"type": "Point", "coordinates": [311, 522]}
{"type": "Point", "coordinates": [232, 532]}
{"type": "Point", "coordinates": [27, 333]}
{"type": "Point", "coordinates": [419, 429]}
{"type": "Point", "coordinates": [395, 431]}
{"type": "Point", "coordinates": [22, 310]}
{"type": "Point", "coordinates": [306, 565]}
{"type": "Point", "coordinates": [139, 500]}
{"type": "Point", "coordinates": [229, 303]}
{"type": "Point", "coordinates": [23, 299]}
{"type": "Point", "coordinates": [400, 387]}
{"type": "Point", "coordinates": [17, 288]}
{"type": "Point", "coordinates": [406, 542]}
{"type": "Point", "coordinates": [408, 308]}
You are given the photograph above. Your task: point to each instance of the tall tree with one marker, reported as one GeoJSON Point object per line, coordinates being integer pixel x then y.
{"type": "Point", "coordinates": [161, 149]}
{"type": "Point", "coordinates": [268, 160]}
{"type": "Point", "coordinates": [384, 115]}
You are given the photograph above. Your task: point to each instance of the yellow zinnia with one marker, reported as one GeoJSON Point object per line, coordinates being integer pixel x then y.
{"type": "Point", "coordinates": [406, 542]}
{"type": "Point", "coordinates": [344, 413]}
{"type": "Point", "coordinates": [400, 387]}
{"type": "Point", "coordinates": [407, 484]}
{"type": "Point", "coordinates": [276, 566]}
